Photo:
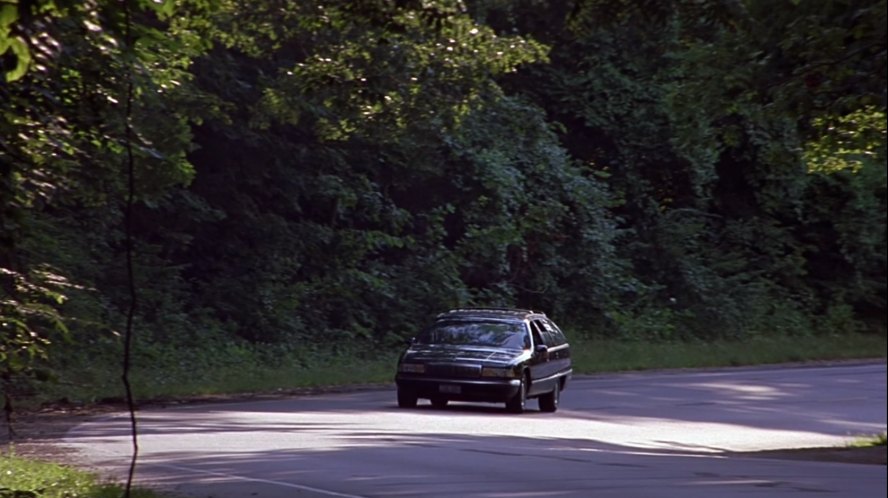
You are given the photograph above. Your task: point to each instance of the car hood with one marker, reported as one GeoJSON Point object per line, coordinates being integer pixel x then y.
{"type": "Point", "coordinates": [450, 354]}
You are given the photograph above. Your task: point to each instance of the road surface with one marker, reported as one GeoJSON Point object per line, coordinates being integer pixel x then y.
{"type": "Point", "coordinates": [657, 434]}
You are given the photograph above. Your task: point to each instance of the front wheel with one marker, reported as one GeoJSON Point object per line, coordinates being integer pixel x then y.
{"type": "Point", "coordinates": [549, 401]}
{"type": "Point", "coordinates": [406, 398]}
{"type": "Point", "coordinates": [518, 402]}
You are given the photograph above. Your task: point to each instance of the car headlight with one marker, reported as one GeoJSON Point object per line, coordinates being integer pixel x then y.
{"type": "Point", "coordinates": [497, 372]}
{"type": "Point", "coordinates": [411, 368]}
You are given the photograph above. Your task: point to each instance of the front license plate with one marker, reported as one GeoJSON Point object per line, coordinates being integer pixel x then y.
{"type": "Point", "coordinates": [449, 389]}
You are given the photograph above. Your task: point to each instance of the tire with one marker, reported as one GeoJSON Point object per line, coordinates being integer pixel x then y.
{"type": "Point", "coordinates": [549, 401]}
{"type": "Point", "coordinates": [406, 399]}
{"type": "Point", "coordinates": [518, 403]}
{"type": "Point", "coordinates": [439, 403]}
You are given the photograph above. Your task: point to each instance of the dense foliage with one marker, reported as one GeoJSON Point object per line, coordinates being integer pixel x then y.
{"type": "Point", "coordinates": [333, 172]}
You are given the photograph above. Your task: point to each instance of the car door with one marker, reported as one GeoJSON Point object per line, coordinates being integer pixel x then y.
{"type": "Point", "coordinates": [540, 367]}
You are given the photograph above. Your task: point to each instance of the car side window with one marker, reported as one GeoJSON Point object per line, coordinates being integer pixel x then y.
{"type": "Point", "coordinates": [537, 335]}
{"type": "Point", "coordinates": [540, 334]}
{"type": "Point", "coordinates": [554, 336]}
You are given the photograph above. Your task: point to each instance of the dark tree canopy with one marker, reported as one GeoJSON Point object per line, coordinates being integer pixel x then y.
{"type": "Point", "coordinates": [339, 170]}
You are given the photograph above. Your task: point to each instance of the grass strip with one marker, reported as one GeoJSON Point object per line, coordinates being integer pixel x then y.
{"type": "Point", "coordinates": [25, 478]}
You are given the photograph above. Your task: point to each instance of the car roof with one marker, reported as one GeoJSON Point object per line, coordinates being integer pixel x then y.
{"type": "Point", "coordinates": [511, 314]}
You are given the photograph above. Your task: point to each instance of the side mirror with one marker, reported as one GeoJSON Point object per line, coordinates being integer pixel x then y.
{"type": "Point", "coordinates": [409, 341]}
{"type": "Point", "coordinates": [542, 350]}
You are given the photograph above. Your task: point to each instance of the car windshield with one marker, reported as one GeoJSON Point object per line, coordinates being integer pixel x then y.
{"type": "Point", "coordinates": [490, 334]}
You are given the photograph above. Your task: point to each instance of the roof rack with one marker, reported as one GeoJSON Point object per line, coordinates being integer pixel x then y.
{"type": "Point", "coordinates": [504, 311]}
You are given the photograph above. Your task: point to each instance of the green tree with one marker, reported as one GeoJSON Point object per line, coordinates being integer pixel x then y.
{"type": "Point", "coordinates": [698, 113]}
{"type": "Point", "coordinates": [371, 172]}
{"type": "Point", "coordinates": [63, 156]}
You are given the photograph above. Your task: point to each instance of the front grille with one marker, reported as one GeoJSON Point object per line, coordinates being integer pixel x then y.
{"type": "Point", "coordinates": [450, 370]}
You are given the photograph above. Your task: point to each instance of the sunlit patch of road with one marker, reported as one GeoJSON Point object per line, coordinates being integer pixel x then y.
{"type": "Point", "coordinates": [655, 427]}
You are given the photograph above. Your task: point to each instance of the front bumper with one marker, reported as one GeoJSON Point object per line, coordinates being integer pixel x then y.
{"type": "Point", "coordinates": [489, 390]}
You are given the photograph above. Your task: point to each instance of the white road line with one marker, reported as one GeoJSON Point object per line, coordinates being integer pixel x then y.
{"type": "Point", "coordinates": [254, 479]}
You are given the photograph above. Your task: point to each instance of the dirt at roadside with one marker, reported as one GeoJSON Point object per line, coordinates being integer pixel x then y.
{"type": "Point", "coordinates": [872, 455]}
{"type": "Point", "coordinates": [36, 434]}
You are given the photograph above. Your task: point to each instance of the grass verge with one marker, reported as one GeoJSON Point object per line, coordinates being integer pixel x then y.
{"type": "Point", "coordinates": [236, 369]}
{"type": "Point", "coordinates": [590, 356]}
{"type": "Point", "coordinates": [27, 478]}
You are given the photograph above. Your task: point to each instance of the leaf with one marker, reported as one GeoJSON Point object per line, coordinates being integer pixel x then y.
{"type": "Point", "coordinates": [23, 59]}
{"type": "Point", "coordinates": [8, 15]}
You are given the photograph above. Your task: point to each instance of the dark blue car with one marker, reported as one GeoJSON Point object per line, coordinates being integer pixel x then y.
{"type": "Point", "coordinates": [495, 355]}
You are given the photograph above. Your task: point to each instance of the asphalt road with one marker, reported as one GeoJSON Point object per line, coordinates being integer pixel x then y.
{"type": "Point", "coordinates": [662, 434]}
